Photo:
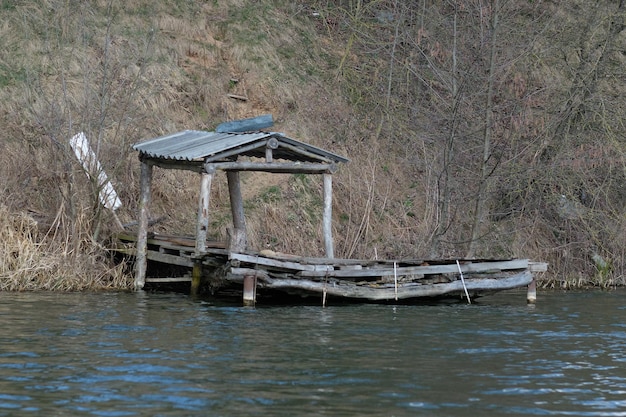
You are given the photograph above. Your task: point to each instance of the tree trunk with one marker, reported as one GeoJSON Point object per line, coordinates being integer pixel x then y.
{"type": "Point", "coordinates": [481, 196]}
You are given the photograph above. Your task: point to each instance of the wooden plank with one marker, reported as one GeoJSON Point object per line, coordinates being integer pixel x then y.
{"type": "Point", "coordinates": [335, 262]}
{"type": "Point", "coordinates": [184, 244]}
{"type": "Point", "coordinates": [185, 259]}
{"type": "Point", "coordinates": [250, 272]}
{"type": "Point", "coordinates": [169, 279]}
{"type": "Point", "coordinates": [404, 292]}
{"type": "Point", "coordinates": [169, 259]}
{"type": "Point", "coordinates": [421, 270]}
{"type": "Point", "coordinates": [276, 263]}
{"type": "Point", "coordinates": [538, 266]}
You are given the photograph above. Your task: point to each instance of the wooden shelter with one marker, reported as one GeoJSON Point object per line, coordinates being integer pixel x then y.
{"type": "Point", "coordinates": [208, 152]}
{"type": "Point", "coordinates": [232, 266]}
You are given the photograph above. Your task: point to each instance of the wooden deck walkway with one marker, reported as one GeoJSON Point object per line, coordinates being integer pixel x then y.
{"type": "Point", "coordinates": [374, 280]}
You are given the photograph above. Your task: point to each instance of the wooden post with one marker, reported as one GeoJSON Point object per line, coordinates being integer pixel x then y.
{"type": "Point", "coordinates": [202, 226]}
{"type": "Point", "coordinates": [249, 290]}
{"type": "Point", "coordinates": [238, 238]}
{"type": "Point", "coordinates": [236, 200]}
{"type": "Point", "coordinates": [142, 235]}
{"type": "Point", "coordinates": [328, 214]}
{"type": "Point", "coordinates": [272, 144]}
{"type": "Point", "coordinates": [531, 295]}
{"type": "Point", "coordinates": [237, 244]}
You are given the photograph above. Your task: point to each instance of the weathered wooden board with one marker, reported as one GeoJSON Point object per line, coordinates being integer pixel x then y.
{"type": "Point", "coordinates": [168, 280]}
{"type": "Point", "coordinates": [377, 293]}
{"type": "Point", "coordinates": [169, 259]}
{"type": "Point", "coordinates": [538, 266]}
{"type": "Point", "coordinates": [276, 167]}
{"type": "Point", "coordinates": [421, 270]}
{"type": "Point", "coordinates": [262, 261]}
{"type": "Point", "coordinates": [349, 278]}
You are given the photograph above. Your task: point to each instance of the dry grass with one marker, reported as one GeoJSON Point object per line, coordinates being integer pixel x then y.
{"type": "Point", "coordinates": [126, 73]}
{"type": "Point", "coordinates": [31, 260]}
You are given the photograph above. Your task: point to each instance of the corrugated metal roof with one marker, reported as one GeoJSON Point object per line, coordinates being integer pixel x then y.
{"type": "Point", "coordinates": [197, 145]}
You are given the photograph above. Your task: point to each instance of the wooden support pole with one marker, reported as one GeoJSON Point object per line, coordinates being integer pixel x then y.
{"type": "Point", "coordinates": [328, 214]}
{"type": "Point", "coordinates": [202, 226]}
{"type": "Point", "coordinates": [196, 277]}
{"type": "Point", "coordinates": [237, 244]}
{"type": "Point", "coordinates": [141, 264]}
{"type": "Point", "coordinates": [249, 290]}
{"type": "Point", "coordinates": [236, 200]}
{"type": "Point", "coordinates": [238, 239]}
{"type": "Point", "coordinates": [531, 296]}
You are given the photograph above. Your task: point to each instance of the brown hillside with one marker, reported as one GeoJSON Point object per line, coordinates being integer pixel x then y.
{"type": "Point", "coordinates": [473, 128]}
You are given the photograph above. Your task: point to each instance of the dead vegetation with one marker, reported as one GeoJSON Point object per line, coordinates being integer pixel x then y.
{"type": "Point", "coordinates": [441, 165]}
{"type": "Point", "coordinates": [29, 261]}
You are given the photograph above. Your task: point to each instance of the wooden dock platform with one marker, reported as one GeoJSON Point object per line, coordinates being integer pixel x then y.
{"type": "Point", "coordinates": [224, 271]}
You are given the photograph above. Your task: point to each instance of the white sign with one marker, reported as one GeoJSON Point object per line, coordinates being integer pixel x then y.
{"type": "Point", "coordinates": [89, 161]}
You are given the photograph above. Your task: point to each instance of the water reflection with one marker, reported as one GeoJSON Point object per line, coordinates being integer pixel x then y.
{"type": "Point", "coordinates": [133, 354]}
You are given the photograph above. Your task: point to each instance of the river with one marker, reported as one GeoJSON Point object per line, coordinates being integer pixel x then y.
{"type": "Point", "coordinates": [151, 354]}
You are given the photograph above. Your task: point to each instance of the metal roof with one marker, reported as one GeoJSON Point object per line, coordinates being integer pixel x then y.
{"type": "Point", "coordinates": [198, 145]}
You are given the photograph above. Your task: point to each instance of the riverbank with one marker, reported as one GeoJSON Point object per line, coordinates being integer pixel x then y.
{"type": "Point", "coordinates": [31, 260]}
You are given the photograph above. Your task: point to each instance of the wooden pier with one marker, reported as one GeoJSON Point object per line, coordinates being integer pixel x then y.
{"type": "Point", "coordinates": [223, 273]}
{"type": "Point", "coordinates": [232, 266]}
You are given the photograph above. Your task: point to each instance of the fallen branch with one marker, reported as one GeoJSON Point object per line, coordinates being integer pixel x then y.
{"type": "Point", "coordinates": [237, 97]}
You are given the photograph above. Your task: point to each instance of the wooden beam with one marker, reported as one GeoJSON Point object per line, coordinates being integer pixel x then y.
{"type": "Point", "coordinates": [404, 291]}
{"type": "Point", "coordinates": [168, 279]}
{"type": "Point", "coordinates": [236, 200]}
{"type": "Point", "coordinates": [279, 264]}
{"type": "Point", "coordinates": [467, 268]}
{"type": "Point", "coordinates": [531, 294]}
{"type": "Point", "coordinates": [202, 223]}
{"type": "Point", "coordinates": [538, 266]}
{"type": "Point", "coordinates": [194, 166]}
{"type": "Point", "coordinates": [238, 239]}
{"type": "Point", "coordinates": [278, 168]}
{"type": "Point", "coordinates": [170, 259]}
{"type": "Point", "coordinates": [327, 217]}
{"type": "Point", "coordinates": [304, 152]}
{"type": "Point", "coordinates": [142, 235]}
{"type": "Point", "coordinates": [249, 290]}
{"type": "Point", "coordinates": [202, 226]}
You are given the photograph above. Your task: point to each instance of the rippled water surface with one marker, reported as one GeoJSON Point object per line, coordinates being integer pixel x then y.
{"type": "Point", "coordinates": [136, 354]}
